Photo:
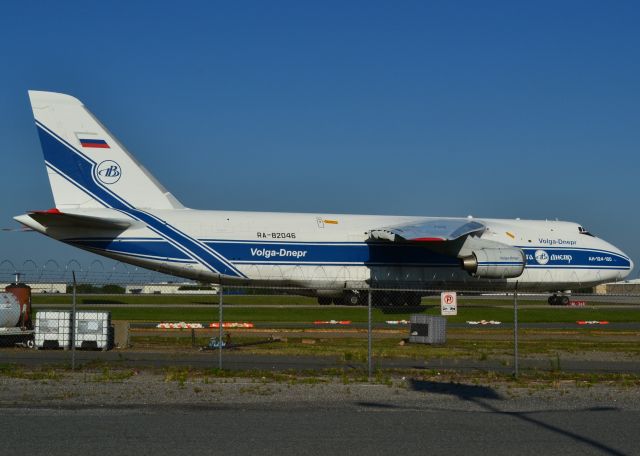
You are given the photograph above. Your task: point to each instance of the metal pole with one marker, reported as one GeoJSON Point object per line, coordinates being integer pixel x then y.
{"type": "Point", "coordinates": [515, 330]}
{"type": "Point", "coordinates": [369, 357]}
{"type": "Point", "coordinates": [220, 293]}
{"type": "Point", "coordinates": [73, 324]}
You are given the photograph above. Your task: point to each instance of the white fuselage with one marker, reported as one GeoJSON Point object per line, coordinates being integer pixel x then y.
{"type": "Point", "coordinates": [106, 202]}
{"type": "Point", "coordinates": [333, 251]}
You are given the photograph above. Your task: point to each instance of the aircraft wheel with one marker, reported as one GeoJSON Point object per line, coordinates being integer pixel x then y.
{"type": "Point", "coordinates": [564, 300]}
{"type": "Point", "coordinates": [352, 299]}
{"type": "Point", "coordinates": [553, 300]}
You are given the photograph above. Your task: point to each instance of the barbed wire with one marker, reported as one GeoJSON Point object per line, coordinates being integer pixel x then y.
{"type": "Point", "coordinates": [96, 272]}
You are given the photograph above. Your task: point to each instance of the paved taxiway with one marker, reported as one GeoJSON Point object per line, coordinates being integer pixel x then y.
{"type": "Point", "coordinates": [463, 423]}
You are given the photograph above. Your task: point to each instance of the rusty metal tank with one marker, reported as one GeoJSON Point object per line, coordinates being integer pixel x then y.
{"type": "Point", "coordinates": [22, 292]}
{"type": "Point", "coordinates": [9, 310]}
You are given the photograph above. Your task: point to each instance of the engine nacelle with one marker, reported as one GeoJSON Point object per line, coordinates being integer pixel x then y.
{"type": "Point", "coordinates": [495, 263]}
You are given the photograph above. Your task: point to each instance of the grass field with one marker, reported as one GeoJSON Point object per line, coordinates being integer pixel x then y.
{"type": "Point", "coordinates": [179, 308]}
{"type": "Point", "coordinates": [552, 346]}
{"type": "Point", "coordinates": [254, 300]}
{"type": "Point", "coordinates": [173, 299]}
{"type": "Point", "coordinates": [461, 343]}
{"type": "Point", "coordinates": [359, 314]}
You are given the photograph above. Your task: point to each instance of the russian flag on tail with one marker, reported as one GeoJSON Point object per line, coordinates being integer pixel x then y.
{"type": "Point", "coordinates": [94, 143]}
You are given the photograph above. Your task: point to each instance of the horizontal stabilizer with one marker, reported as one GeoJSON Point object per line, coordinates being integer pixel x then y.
{"type": "Point", "coordinates": [53, 218]}
{"type": "Point", "coordinates": [432, 230]}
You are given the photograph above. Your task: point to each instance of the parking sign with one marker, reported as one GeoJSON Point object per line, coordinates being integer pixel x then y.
{"type": "Point", "coordinates": [448, 303]}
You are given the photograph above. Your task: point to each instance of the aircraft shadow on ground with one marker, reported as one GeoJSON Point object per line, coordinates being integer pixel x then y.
{"type": "Point", "coordinates": [479, 394]}
{"type": "Point", "coordinates": [461, 390]}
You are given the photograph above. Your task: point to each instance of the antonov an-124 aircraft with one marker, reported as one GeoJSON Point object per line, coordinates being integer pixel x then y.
{"type": "Point", "coordinates": [108, 203]}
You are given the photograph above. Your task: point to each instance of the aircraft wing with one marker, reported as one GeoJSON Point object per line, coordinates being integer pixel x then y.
{"type": "Point", "coordinates": [431, 230]}
{"type": "Point", "coordinates": [53, 218]}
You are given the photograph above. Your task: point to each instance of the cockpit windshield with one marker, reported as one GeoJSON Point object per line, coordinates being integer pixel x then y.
{"type": "Point", "coordinates": [585, 231]}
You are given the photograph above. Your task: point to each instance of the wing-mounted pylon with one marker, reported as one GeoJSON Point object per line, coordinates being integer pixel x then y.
{"type": "Point", "coordinates": [462, 239]}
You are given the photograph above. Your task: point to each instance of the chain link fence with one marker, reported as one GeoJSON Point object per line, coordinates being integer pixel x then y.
{"type": "Point", "coordinates": [123, 318]}
{"type": "Point", "coordinates": [97, 272]}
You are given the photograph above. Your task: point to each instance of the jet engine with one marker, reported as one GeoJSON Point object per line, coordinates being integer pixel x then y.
{"type": "Point", "coordinates": [495, 263]}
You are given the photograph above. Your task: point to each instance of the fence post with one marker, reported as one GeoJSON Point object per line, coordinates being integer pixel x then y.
{"type": "Point", "coordinates": [515, 331]}
{"type": "Point", "coordinates": [369, 357]}
{"type": "Point", "coordinates": [220, 294]}
{"type": "Point", "coordinates": [73, 324]}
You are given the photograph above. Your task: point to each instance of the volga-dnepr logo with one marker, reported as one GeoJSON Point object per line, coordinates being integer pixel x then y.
{"type": "Point", "coordinates": [541, 257]}
{"type": "Point", "coordinates": [108, 172]}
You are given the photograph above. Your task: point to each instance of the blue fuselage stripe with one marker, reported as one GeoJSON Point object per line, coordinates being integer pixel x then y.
{"type": "Point", "coordinates": [288, 253]}
{"type": "Point", "coordinates": [78, 169]}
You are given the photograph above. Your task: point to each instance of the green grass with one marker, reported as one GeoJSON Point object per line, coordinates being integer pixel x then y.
{"type": "Point", "coordinates": [359, 314]}
{"type": "Point", "coordinates": [15, 371]}
{"type": "Point", "coordinates": [469, 309]}
{"type": "Point", "coordinates": [461, 344]}
{"type": "Point", "coordinates": [173, 299]}
{"type": "Point", "coordinates": [256, 300]}
{"type": "Point", "coordinates": [112, 375]}
{"type": "Point", "coordinates": [441, 379]}
{"type": "Point", "coordinates": [547, 314]}
{"type": "Point", "coordinates": [447, 379]}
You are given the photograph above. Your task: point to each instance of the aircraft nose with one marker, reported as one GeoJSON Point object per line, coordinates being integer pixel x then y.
{"type": "Point", "coordinates": [622, 260]}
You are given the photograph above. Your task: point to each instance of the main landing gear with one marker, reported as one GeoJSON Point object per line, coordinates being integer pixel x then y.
{"type": "Point", "coordinates": [379, 299]}
{"type": "Point", "coordinates": [348, 299]}
{"type": "Point", "coordinates": [555, 300]}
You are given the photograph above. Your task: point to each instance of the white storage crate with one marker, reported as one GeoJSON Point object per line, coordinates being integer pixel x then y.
{"type": "Point", "coordinates": [53, 329]}
{"type": "Point", "coordinates": [93, 330]}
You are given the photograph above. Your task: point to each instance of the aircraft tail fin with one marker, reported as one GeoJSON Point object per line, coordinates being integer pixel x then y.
{"type": "Point", "coordinates": [87, 166]}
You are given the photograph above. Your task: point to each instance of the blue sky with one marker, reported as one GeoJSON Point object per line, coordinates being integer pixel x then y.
{"type": "Point", "coordinates": [496, 109]}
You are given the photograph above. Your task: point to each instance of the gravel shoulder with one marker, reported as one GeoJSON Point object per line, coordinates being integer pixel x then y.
{"type": "Point", "coordinates": [152, 389]}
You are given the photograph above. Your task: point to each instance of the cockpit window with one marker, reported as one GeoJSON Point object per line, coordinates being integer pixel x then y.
{"type": "Point", "coordinates": [585, 231]}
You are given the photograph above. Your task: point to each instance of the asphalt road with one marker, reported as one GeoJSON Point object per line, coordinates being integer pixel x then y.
{"type": "Point", "coordinates": [480, 426]}
{"type": "Point", "coordinates": [150, 415]}
{"type": "Point", "coordinates": [237, 361]}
